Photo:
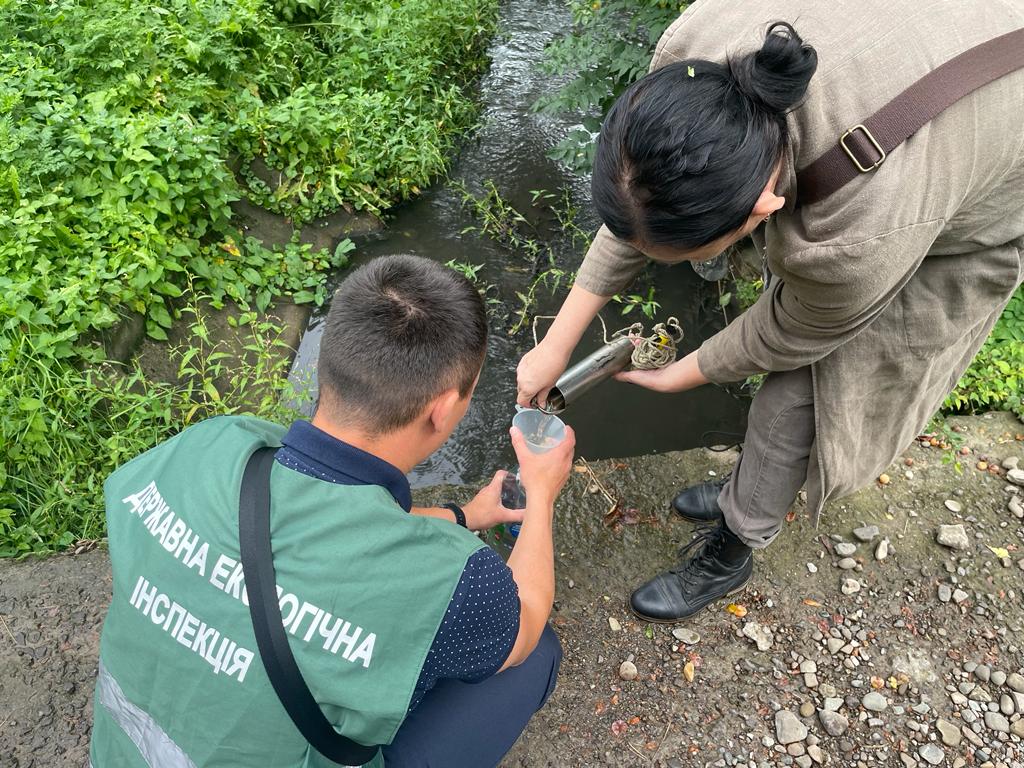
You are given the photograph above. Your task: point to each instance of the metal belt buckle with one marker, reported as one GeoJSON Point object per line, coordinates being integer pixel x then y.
{"type": "Point", "coordinates": [853, 157]}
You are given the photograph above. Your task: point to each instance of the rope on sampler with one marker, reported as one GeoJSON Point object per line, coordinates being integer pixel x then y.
{"type": "Point", "coordinates": [649, 352]}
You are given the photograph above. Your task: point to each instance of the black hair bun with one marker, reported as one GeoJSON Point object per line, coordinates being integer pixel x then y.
{"type": "Point", "coordinates": [776, 77]}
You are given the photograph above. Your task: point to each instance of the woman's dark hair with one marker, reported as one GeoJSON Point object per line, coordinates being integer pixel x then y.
{"type": "Point", "coordinates": [401, 330]}
{"type": "Point", "coordinates": [685, 152]}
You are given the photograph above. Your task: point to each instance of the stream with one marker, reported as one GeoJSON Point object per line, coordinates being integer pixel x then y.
{"type": "Point", "coordinates": [612, 420]}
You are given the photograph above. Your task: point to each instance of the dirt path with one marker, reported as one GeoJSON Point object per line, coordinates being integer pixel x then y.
{"type": "Point", "coordinates": [921, 665]}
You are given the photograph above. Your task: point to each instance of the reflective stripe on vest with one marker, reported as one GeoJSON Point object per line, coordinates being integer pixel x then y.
{"type": "Point", "coordinates": [153, 743]}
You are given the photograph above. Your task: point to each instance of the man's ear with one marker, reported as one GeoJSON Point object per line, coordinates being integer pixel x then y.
{"type": "Point", "coordinates": [443, 410]}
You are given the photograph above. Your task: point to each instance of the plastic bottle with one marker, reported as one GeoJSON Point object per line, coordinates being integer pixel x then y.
{"type": "Point", "coordinates": [513, 496]}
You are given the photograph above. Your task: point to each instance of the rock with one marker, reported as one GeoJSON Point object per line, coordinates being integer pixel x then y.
{"type": "Point", "coordinates": [850, 586]}
{"type": "Point", "coordinates": [907, 760]}
{"type": "Point", "coordinates": [1015, 682]}
{"type": "Point", "coordinates": [931, 753]}
{"type": "Point", "coordinates": [953, 505]}
{"type": "Point", "coordinates": [614, 624]}
{"type": "Point", "coordinates": [874, 702]}
{"type": "Point", "coordinates": [760, 634]}
{"type": "Point", "coordinates": [882, 550]}
{"type": "Point", "coordinates": [1015, 476]}
{"type": "Point", "coordinates": [959, 596]}
{"type": "Point", "coordinates": [684, 635]}
{"type": "Point", "coordinates": [627, 670]}
{"type": "Point", "coordinates": [847, 563]}
{"type": "Point", "coordinates": [945, 593]}
{"type": "Point", "coordinates": [953, 536]}
{"type": "Point", "coordinates": [1015, 506]}
{"type": "Point", "coordinates": [950, 733]}
{"type": "Point", "coordinates": [806, 709]}
{"type": "Point", "coordinates": [815, 753]}
{"type": "Point", "coordinates": [808, 665]}
{"type": "Point", "coordinates": [1017, 729]}
{"type": "Point", "coordinates": [788, 728]}
{"type": "Point", "coordinates": [998, 677]}
{"type": "Point", "coordinates": [997, 722]}
{"type": "Point", "coordinates": [834, 723]}
{"type": "Point", "coordinates": [1010, 462]}
{"type": "Point", "coordinates": [812, 568]}
{"type": "Point", "coordinates": [1006, 705]}
{"type": "Point", "coordinates": [803, 761]}
{"type": "Point", "coordinates": [982, 672]}
{"type": "Point", "coordinates": [833, 703]}
{"type": "Point", "coordinates": [845, 549]}
{"type": "Point", "coordinates": [834, 644]}
{"type": "Point", "coordinates": [866, 532]}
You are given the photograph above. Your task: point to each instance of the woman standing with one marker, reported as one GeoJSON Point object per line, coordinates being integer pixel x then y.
{"type": "Point", "coordinates": [877, 295]}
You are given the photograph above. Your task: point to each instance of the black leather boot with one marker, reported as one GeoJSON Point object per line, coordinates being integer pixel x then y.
{"type": "Point", "coordinates": [699, 503]}
{"type": "Point", "coordinates": [718, 564]}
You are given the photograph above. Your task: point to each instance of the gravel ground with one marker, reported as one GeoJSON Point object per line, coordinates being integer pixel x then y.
{"type": "Point", "coordinates": [863, 642]}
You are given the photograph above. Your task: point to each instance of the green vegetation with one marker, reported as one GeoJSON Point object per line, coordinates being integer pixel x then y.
{"type": "Point", "coordinates": [609, 48]}
{"type": "Point", "coordinates": [995, 379]}
{"type": "Point", "coordinates": [120, 126]}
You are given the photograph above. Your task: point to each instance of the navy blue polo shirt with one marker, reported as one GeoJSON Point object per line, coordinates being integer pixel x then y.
{"type": "Point", "coordinates": [482, 620]}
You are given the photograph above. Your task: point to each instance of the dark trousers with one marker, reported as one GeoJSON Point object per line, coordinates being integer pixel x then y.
{"type": "Point", "coordinates": [473, 725]}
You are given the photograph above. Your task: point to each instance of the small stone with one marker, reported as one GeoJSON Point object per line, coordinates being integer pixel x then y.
{"type": "Point", "coordinates": [884, 479]}
{"type": "Point", "coordinates": [685, 635]}
{"type": "Point", "coordinates": [815, 753]}
{"type": "Point", "coordinates": [788, 728]}
{"type": "Point", "coordinates": [803, 761]}
{"type": "Point", "coordinates": [997, 722]}
{"type": "Point", "coordinates": [907, 760]}
{"type": "Point", "coordinates": [833, 703]}
{"type": "Point", "coordinates": [845, 549]}
{"type": "Point", "coordinates": [953, 536]}
{"type": "Point", "coordinates": [1010, 462]}
{"type": "Point", "coordinates": [882, 550]}
{"type": "Point", "coordinates": [1015, 682]}
{"type": "Point", "coordinates": [812, 568]}
{"type": "Point", "coordinates": [850, 586]}
{"type": "Point", "coordinates": [1017, 729]}
{"type": "Point", "coordinates": [760, 634]}
{"type": "Point", "coordinates": [614, 624]}
{"type": "Point", "coordinates": [953, 505]}
{"type": "Point", "coordinates": [982, 466]}
{"type": "Point", "coordinates": [1006, 705]}
{"type": "Point", "coordinates": [874, 702]}
{"type": "Point", "coordinates": [627, 670]}
{"type": "Point", "coordinates": [806, 709]}
{"type": "Point", "coordinates": [982, 672]}
{"type": "Point", "coordinates": [959, 596]}
{"type": "Point", "coordinates": [1015, 476]}
{"type": "Point", "coordinates": [834, 723]}
{"type": "Point", "coordinates": [1015, 506]}
{"type": "Point", "coordinates": [931, 753]}
{"type": "Point", "coordinates": [866, 532]}
{"type": "Point", "coordinates": [950, 733]}
{"type": "Point", "coordinates": [808, 665]}
{"type": "Point", "coordinates": [847, 564]}
{"type": "Point", "coordinates": [811, 680]}
{"type": "Point", "coordinates": [998, 677]}
{"type": "Point", "coordinates": [834, 644]}
{"type": "Point", "coordinates": [945, 593]}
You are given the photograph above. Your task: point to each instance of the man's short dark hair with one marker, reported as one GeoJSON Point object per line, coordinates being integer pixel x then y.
{"type": "Point", "coordinates": [401, 330]}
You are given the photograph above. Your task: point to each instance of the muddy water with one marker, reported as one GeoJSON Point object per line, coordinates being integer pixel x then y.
{"type": "Point", "coordinates": [509, 148]}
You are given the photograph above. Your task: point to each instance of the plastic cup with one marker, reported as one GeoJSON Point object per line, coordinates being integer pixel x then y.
{"type": "Point", "coordinates": [542, 431]}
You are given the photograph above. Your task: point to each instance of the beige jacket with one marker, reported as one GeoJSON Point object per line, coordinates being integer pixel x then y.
{"type": "Point", "coordinates": [888, 287]}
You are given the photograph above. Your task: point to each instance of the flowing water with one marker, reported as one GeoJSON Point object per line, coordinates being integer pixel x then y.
{"type": "Point", "coordinates": [612, 420]}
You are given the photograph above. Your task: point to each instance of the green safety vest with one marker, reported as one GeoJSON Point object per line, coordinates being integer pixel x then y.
{"type": "Point", "coordinates": [363, 587]}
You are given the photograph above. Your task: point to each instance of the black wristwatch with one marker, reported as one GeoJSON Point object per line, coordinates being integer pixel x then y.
{"type": "Point", "coordinates": [460, 516]}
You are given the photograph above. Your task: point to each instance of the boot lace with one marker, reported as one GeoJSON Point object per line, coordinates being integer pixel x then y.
{"type": "Point", "coordinates": [702, 549]}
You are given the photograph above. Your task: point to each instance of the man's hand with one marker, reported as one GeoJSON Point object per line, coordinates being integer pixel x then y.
{"type": "Point", "coordinates": [543, 474]}
{"type": "Point", "coordinates": [485, 510]}
{"type": "Point", "coordinates": [680, 376]}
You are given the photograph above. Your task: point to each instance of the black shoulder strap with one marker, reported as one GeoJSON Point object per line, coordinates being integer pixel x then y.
{"type": "Point", "coordinates": [271, 638]}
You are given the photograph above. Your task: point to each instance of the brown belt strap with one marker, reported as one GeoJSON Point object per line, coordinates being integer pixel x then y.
{"type": "Point", "coordinates": [865, 146]}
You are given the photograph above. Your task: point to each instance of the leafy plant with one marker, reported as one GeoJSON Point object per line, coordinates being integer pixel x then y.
{"type": "Point", "coordinates": [610, 47]}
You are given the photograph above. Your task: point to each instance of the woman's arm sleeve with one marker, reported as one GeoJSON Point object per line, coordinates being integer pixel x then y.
{"type": "Point", "coordinates": [823, 297]}
{"type": "Point", "coordinates": [610, 265]}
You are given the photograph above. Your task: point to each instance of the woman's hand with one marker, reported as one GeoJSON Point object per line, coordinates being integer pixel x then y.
{"type": "Point", "coordinates": [537, 373]}
{"type": "Point", "coordinates": [486, 511]}
{"type": "Point", "coordinates": [680, 376]}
